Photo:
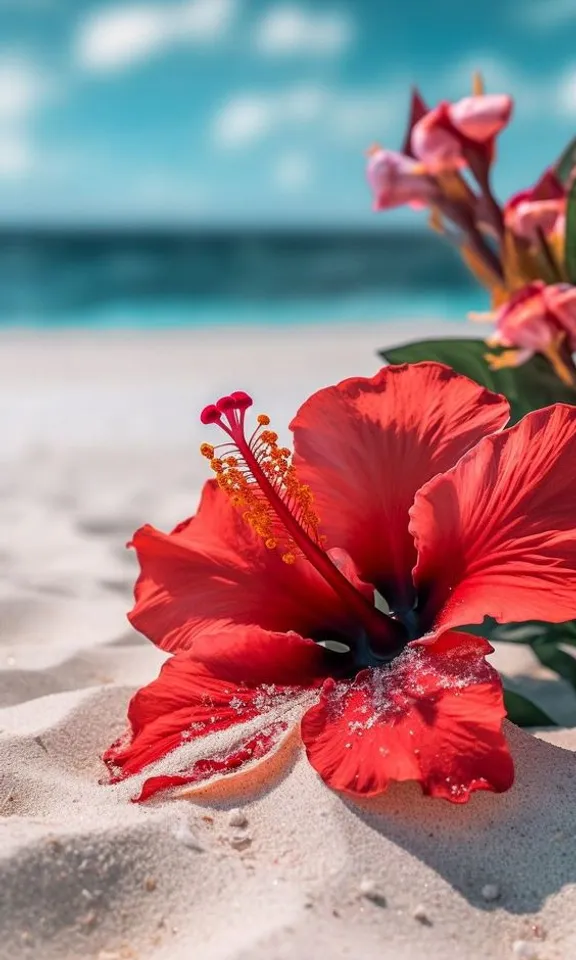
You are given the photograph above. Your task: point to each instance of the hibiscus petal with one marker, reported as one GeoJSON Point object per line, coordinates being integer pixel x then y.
{"type": "Point", "coordinates": [365, 447]}
{"type": "Point", "coordinates": [434, 716]}
{"type": "Point", "coordinates": [212, 573]}
{"type": "Point", "coordinates": [496, 536]}
{"type": "Point", "coordinates": [215, 713]}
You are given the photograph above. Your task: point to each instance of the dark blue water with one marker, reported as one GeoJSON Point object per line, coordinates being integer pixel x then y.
{"type": "Point", "coordinates": [166, 278]}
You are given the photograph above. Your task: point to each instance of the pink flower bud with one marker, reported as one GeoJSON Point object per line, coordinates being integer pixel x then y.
{"type": "Point", "coordinates": [534, 317]}
{"type": "Point", "coordinates": [523, 321]}
{"type": "Point", "coordinates": [396, 180]}
{"type": "Point", "coordinates": [560, 300]}
{"type": "Point", "coordinates": [443, 136]}
{"type": "Point", "coordinates": [542, 207]}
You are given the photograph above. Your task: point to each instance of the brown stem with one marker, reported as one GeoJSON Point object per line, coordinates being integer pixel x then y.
{"type": "Point", "coordinates": [493, 207]}
{"type": "Point", "coordinates": [479, 245]}
{"type": "Point", "coordinates": [480, 167]}
{"type": "Point", "coordinates": [463, 217]}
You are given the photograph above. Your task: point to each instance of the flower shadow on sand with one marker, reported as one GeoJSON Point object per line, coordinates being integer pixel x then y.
{"type": "Point", "coordinates": [523, 840]}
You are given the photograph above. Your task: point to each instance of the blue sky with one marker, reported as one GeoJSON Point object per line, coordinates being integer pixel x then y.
{"type": "Point", "coordinates": [255, 111]}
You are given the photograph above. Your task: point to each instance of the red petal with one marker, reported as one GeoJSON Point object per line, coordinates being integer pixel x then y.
{"type": "Point", "coordinates": [365, 447]}
{"type": "Point", "coordinates": [213, 573]}
{"type": "Point", "coordinates": [434, 716]}
{"type": "Point", "coordinates": [178, 721]}
{"type": "Point", "coordinates": [496, 536]}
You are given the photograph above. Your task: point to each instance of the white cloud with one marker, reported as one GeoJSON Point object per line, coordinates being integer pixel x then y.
{"type": "Point", "coordinates": [546, 14]}
{"type": "Point", "coordinates": [23, 88]}
{"type": "Point", "coordinates": [290, 29]}
{"type": "Point", "coordinates": [17, 157]}
{"type": "Point", "coordinates": [355, 116]}
{"type": "Point", "coordinates": [359, 115]}
{"type": "Point", "coordinates": [205, 19]}
{"type": "Point", "coordinates": [303, 103]}
{"type": "Point", "coordinates": [243, 121]}
{"type": "Point", "coordinates": [566, 93]}
{"type": "Point", "coordinates": [293, 172]}
{"type": "Point", "coordinates": [116, 37]}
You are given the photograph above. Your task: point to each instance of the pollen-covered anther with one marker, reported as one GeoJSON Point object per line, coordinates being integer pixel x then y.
{"type": "Point", "coordinates": [207, 450]}
{"type": "Point", "coordinates": [263, 419]}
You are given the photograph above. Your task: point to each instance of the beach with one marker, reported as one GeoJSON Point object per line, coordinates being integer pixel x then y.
{"type": "Point", "coordinates": [100, 434]}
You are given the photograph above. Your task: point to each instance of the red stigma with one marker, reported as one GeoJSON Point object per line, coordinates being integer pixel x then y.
{"type": "Point", "coordinates": [210, 414]}
{"type": "Point", "coordinates": [226, 404]}
{"type": "Point", "coordinates": [241, 399]}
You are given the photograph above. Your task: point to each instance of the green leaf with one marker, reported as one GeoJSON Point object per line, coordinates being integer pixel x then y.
{"type": "Point", "coordinates": [567, 162]}
{"type": "Point", "coordinates": [570, 241]}
{"type": "Point", "coordinates": [548, 651]}
{"type": "Point", "coordinates": [523, 712]}
{"type": "Point", "coordinates": [531, 631]}
{"type": "Point", "coordinates": [527, 387]}
{"type": "Point", "coordinates": [546, 641]}
{"type": "Point", "coordinates": [551, 643]}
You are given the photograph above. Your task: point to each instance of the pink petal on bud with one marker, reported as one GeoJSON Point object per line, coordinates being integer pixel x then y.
{"type": "Point", "coordinates": [560, 300]}
{"type": "Point", "coordinates": [396, 180]}
{"type": "Point", "coordinates": [525, 321]}
{"type": "Point", "coordinates": [527, 217]}
{"type": "Point", "coordinates": [435, 143]}
{"type": "Point", "coordinates": [482, 117]}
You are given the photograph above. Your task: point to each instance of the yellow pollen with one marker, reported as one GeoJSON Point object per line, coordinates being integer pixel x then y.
{"type": "Point", "coordinates": [263, 484]}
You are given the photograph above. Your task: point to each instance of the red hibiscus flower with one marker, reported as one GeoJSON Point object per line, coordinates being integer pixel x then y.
{"type": "Point", "coordinates": [323, 593]}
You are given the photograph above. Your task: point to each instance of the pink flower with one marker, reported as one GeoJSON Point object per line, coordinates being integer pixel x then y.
{"type": "Point", "coordinates": [540, 318]}
{"type": "Point", "coordinates": [541, 207]}
{"type": "Point", "coordinates": [445, 136]}
{"type": "Point", "coordinates": [396, 179]}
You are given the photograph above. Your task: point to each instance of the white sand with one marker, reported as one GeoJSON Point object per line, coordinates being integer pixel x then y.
{"type": "Point", "coordinates": [99, 434]}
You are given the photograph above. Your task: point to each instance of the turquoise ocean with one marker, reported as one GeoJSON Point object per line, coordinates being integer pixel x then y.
{"type": "Point", "coordinates": [154, 278]}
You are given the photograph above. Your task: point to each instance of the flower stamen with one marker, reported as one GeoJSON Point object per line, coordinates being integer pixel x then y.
{"type": "Point", "coordinates": [260, 479]}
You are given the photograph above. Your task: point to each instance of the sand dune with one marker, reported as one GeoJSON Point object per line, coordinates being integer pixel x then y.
{"type": "Point", "coordinates": [101, 435]}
